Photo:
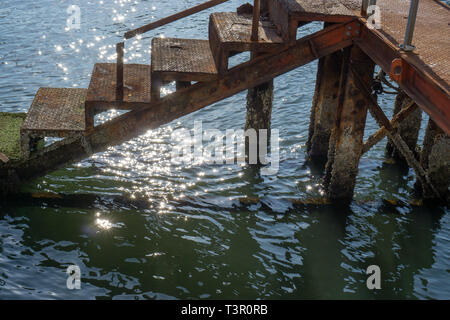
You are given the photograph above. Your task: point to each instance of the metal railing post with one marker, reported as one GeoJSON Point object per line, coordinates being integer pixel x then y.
{"type": "Point", "coordinates": [255, 25]}
{"type": "Point", "coordinates": [407, 44]}
{"type": "Point", "coordinates": [119, 72]}
{"type": "Point", "coordinates": [365, 6]}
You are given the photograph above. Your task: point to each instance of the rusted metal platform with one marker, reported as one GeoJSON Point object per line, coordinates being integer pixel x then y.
{"type": "Point", "coordinates": [231, 32]}
{"type": "Point", "coordinates": [431, 36]}
{"type": "Point", "coordinates": [56, 112]}
{"type": "Point", "coordinates": [423, 74]}
{"type": "Point", "coordinates": [102, 88]}
{"type": "Point", "coordinates": [183, 60]}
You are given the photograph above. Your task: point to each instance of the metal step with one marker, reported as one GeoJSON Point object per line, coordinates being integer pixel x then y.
{"type": "Point", "coordinates": [55, 112]}
{"type": "Point", "coordinates": [288, 15]}
{"type": "Point", "coordinates": [182, 60]}
{"type": "Point", "coordinates": [230, 33]}
{"type": "Point", "coordinates": [102, 88]}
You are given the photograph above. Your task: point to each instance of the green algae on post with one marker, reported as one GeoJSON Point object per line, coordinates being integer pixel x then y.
{"type": "Point", "coordinates": [10, 124]}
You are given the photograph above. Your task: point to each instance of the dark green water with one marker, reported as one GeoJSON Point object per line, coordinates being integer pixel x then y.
{"type": "Point", "coordinates": [185, 234]}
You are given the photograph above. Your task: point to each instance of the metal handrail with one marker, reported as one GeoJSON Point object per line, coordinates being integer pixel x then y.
{"type": "Point", "coordinates": [183, 14]}
{"type": "Point", "coordinates": [409, 33]}
{"type": "Point", "coordinates": [412, 17]}
{"type": "Point", "coordinates": [151, 26]}
{"type": "Point", "coordinates": [365, 6]}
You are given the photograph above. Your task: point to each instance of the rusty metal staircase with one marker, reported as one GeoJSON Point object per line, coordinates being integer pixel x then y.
{"type": "Point", "coordinates": [68, 112]}
{"type": "Point", "coordinates": [199, 67]}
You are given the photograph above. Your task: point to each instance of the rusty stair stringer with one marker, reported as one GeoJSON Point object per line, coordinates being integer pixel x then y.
{"type": "Point", "coordinates": [178, 104]}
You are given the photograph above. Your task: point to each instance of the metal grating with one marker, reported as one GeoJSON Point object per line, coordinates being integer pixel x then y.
{"type": "Point", "coordinates": [328, 7]}
{"type": "Point", "coordinates": [431, 36]}
{"type": "Point", "coordinates": [56, 111]}
{"type": "Point", "coordinates": [186, 56]}
{"type": "Point", "coordinates": [136, 83]}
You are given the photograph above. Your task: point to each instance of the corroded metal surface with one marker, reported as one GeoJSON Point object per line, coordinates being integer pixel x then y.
{"type": "Point", "coordinates": [56, 111]}
{"type": "Point", "coordinates": [231, 33]}
{"type": "Point", "coordinates": [188, 58]}
{"type": "Point", "coordinates": [103, 83]}
{"type": "Point", "coordinates": [288, 15]}
{"type": "Point", "coordinates": [431, 36]}
{"type": "Point", "coordinates": [237, 28]}
{"type": "Point", "coordinates": [169, 108]}
{"type": "Point", "coordinates": [317, 7]}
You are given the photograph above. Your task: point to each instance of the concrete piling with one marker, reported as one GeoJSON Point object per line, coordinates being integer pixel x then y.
{"type": "Point", "coordinates": [259, 111]}
{"type": "Point", "coordinates": [435, 158]}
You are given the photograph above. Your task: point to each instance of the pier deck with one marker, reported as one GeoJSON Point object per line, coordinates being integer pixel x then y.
{"type": "Point", "coordinates": [423, 74]}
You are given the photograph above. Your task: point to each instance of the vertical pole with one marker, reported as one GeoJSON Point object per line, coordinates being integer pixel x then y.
{"type": "Point", "coordinates": [259, 112]}
{"type": "Point", "coordinates": [364, 7]}
{"type": "Point", "coordinates": [347, 138]}
{"type": "Point", "coordinates": [119, 72]}
{"type": "Point", "coordinates": [407, 44]}
{"type": "Point", "coordinates": [259, 98]}
{"type": "Point", "coordinates": [255, 24]}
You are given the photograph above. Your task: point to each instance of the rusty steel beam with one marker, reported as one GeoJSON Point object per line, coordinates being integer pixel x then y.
{"type": "Point", "coordinates": [178, 104]}
{"type": "Point", "coordinates": [395, 122]}
{"type": "Point", "coordinates": [397, 140]}
{"type": "Point", "coordinates": [426, 89]}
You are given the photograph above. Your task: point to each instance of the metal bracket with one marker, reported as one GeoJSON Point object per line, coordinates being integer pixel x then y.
{"type": "Point", "coordinates": [407, 48]}
{"type": "Point", "coordinates": [397, 70]}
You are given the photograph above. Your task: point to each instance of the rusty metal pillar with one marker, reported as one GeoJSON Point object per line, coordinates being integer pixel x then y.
{"type": "Point", "coordinates": [346, 143]}
{"type": "Point", "coordinates": [408, 129]}
{"type": "Point", "coordinates": [435, 159]}
{"type": "Point", "coordinates": [323, 110]}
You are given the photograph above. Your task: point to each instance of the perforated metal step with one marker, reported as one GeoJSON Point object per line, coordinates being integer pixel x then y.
{"type": "Point", "coordinates": [56, 112]}
{"type": "Point", "coordinates": [102, 89]}
{"type": "Point", "coordinates": [183, 60]}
